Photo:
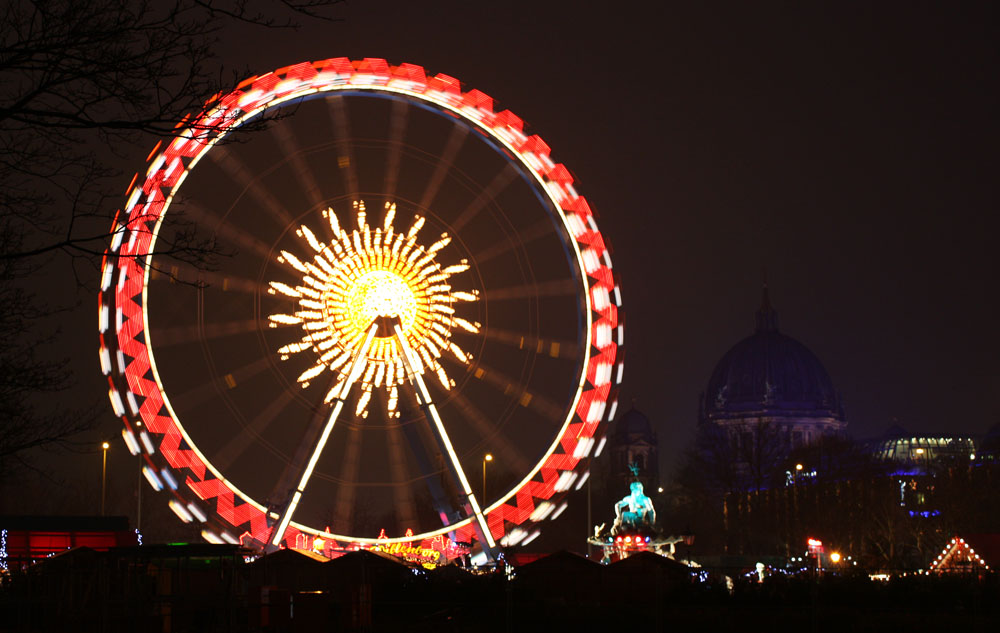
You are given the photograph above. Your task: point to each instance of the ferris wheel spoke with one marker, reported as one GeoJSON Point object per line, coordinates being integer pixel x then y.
{"type": "Point", "coordinates": [557, 288]}
{"type": "Point", "coordinates": [535, 231]}
{"type": "Point", "coordinates": [342, 131]}
{"type": "Point", "coordinates": [204, 392]}
{"type": "Point", "coordinates": [497, 442]}
{"type": "Point", "coordinates": [451, 148]}
{"type": "Point", "coordinates": [240, 442]}
{"type": "Point", "coordinates": [229, 231]}
{"type": "Point", "coordinates": [555, 348]}
{"type": "Point", "coordinates": [183, 273]}
{"type": "Point", "coordinates": [403, 494]}
{"type": "Point", "coordinates": [441, 435]}
{"type": "Point", "coordinates": [397, 130]}
{"type": "Point", "coordinates": [181, 334]}
{"type": "Point", "coordinates": [506, 176]}
{"type": "Point", "coordinates": [289, 146]}
{"type": "Point", "coordinates": [346, 492]}
{"type": "Point", "coordinates": [236, 169]}
{"type": "Point", "coordinates": [535, 401]}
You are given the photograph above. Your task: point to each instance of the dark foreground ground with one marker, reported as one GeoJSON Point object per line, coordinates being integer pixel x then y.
{"type": "Point", "coordinates": [212, 589]}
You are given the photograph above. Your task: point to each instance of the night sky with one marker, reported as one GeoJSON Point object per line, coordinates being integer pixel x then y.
{"type": "Point", "coordinates": [846, 152]}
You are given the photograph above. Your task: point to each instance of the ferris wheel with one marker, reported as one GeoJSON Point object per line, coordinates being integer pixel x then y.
{"type": "Point", "coordinates": [414, 295]}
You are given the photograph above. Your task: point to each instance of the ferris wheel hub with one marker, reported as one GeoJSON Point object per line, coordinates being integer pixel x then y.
{"type": "Point", "coordinates": [381, 293]}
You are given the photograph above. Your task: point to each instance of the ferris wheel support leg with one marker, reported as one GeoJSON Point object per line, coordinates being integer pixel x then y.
{"type": "Point", "coordinates": [424, 398]}
{"type": "Point", "coordinates": [357, 366]}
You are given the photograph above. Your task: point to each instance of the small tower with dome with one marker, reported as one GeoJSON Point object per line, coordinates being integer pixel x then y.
{"type": "Point", "coordinates": [633, 444]}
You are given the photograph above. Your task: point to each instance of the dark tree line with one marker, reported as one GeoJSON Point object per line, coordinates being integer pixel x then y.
{"type": "Point", "coordinates": [748, 498]}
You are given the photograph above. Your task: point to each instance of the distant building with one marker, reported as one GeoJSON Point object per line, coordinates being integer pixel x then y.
{"type": "Point", "coordinates": [770, 383]}
{"type": "Point", "coordinates": [900, 446]}
{"type": "Point", "coordinates": [633, 441]}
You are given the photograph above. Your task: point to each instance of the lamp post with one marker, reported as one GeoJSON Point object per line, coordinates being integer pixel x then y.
{"type": "Point", "coordinates": [138, 491]}
{"type": "Point", "coordinates": [486, 458]}
{"type": "Point", "coordinates": [104, 473]}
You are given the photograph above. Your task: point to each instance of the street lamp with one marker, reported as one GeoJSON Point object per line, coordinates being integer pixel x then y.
{"type": "Point", "coordinates": [104, 473]}
{"type": "Point", "coordinates": [138, 489]}
{"type": "Point", "coordinates": [487, 458]}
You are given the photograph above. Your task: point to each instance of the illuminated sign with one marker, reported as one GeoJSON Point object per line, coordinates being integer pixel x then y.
{"type": "Point", "coordinates": [424, 555]}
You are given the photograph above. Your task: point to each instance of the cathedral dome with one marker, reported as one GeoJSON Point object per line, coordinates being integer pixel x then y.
{"type": "Point", "coordinates": [634, 423]}
{"type": "Point", "coordinates": [770, 374]}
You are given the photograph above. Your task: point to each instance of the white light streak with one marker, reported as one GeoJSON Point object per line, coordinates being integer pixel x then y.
{"type": "Point", "coordinates": [614, 408]}
{"type": "Point", "coordinates": [565, 480]}
{"type": "Point", "coordinates": [211, 537]}
{"type": "Point", "coordinates": [151, 477]}
{"type": "Point", "coordinates": [583, 448]}
{"type": "Point", "coordinates": [543, 510]}
{"type": "Point", "coordinates": [197, 512]}
{"type": "Point", "coordinates": [130, 442]}
{"type": "Point", "coordinates": [560, 510]}
{"type": "Point", "coordinates": [179, 509]}
{"type": "Point", "coordinates": [168, 478]}
{"type": "Point", "coordinates": [116, 402]}
{"type": "Point", "coordinates": [109, 271]}
{"type": "Point", "coordinates": [147, 443]}
{"type": "Point", "coordinates": [583, 480]}
{"type": "Point", "coordinates": [600, 446]}
{"type": "Point", "coordinates": [132, 404]}
{"type": "Point", "coordinates": [105, 361]}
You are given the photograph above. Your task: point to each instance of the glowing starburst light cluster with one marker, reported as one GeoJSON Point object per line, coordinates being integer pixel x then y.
{"type": "Point", "coordinates": [361, 276]}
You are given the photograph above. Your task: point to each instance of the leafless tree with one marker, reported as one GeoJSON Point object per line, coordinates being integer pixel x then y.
{"type": "Point", "coordinates": [83, 85]}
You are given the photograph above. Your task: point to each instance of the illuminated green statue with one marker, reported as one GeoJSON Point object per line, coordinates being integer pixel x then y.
{"type": "Point", "coordinates": [640, 513]}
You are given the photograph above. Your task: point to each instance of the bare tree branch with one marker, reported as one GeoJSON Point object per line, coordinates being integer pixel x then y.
{"type": "Point", "coordinates": [82, 85]}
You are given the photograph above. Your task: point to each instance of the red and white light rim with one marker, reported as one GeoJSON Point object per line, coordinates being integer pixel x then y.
{"type": "Point", "coordinates": [137, 395]}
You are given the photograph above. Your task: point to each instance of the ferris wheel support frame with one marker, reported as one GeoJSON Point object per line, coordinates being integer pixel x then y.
{"type": "Point", "coordinates": [438, 431]}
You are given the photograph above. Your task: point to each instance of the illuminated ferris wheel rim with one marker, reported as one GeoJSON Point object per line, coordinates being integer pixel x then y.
{"type": "Point", "coordinates": [531, 154]}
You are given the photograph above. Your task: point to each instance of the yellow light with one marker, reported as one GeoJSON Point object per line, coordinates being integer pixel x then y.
{"type": "Point", "coordinates": [920, 451]}
{"type": "Point", "coordinates": [380, 293]}
{"type": "Point", "coordinates": [798, 466]}
{"type": "Point", "coordinates": [105, 446]}
{"type": "Point", "coordinates": [363, 275]}
{"type": "Point", "coordinates": [488, 457]}
{"type": "Point", "coordinates": [834, 557]}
